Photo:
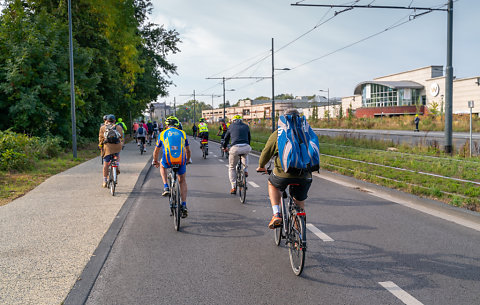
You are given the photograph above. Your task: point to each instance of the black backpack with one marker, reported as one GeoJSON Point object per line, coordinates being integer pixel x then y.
{"type": "Point", "coordinates": [111, 134]}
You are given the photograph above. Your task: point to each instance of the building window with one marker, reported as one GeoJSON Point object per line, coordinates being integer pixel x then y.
{"type": "Point", "coordinates": [375, 95]}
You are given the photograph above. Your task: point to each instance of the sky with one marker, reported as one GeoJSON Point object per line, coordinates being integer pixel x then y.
{"type": "Point", "coordinates": [229, 39]}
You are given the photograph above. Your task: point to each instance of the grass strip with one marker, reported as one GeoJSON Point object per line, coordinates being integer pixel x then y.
{"type": "Point", "coordinates": [14, 185]}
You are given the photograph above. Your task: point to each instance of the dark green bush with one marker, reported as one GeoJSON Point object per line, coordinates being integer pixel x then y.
{"type": "Point", "coordinates": [19, 151]}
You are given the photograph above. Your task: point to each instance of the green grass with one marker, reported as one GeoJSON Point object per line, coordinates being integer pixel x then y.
{"type": "Point", "coordinates": [16, 184]}
{"type": "Point", "coordinates": [415, 160]}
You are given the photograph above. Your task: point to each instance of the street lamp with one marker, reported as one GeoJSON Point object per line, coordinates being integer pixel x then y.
{"type": "Point", "coordinates": [328, 102]}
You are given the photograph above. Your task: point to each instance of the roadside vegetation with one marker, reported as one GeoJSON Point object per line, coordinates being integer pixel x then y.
{"type": "Point", "coordinates": [25, 162]}
{"type": "Point", "coordinates": [423, 169]}
{"type": "Point", "coordinates": [460, 123]}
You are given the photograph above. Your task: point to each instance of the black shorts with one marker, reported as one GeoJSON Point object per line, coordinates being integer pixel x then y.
{"type": "Point", "coordinates": [299, 192]}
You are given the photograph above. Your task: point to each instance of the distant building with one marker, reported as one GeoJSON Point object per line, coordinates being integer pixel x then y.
{"type": "Point", "coordinates": [261, 109]}
{"type": "Point", "coordinates": [160, 111]}
{"type": "Point", "coordinates": [417, 91]}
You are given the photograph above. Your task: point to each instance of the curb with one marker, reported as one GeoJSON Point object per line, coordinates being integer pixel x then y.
{"type": "Point", "coordinates": [85, 282]}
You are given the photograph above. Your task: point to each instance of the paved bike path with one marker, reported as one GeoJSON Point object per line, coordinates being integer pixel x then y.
{"type": "Point", "coordinates": [48, 236]}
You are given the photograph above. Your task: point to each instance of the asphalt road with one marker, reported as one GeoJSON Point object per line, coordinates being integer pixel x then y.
{"type": "Point", "coordinates": [225, 254]}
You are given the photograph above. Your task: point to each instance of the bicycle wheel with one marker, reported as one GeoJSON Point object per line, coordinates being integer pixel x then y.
{"type": "Point", "coordinates": [297, 245]}
{"type": "Point", "coordinates": [204, 153]}
{"type": "Point", "coordinates": [178, 204]}
{"type": "Point", "coordinates": [113, 176]}
{"type": "Point", "coordinates": [243, 186]}
{"type": "Point", "coordinates": [141, 149]}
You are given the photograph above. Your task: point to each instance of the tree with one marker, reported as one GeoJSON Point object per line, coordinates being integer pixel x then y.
{"type": "Point", "coordinates": [284, 96]}
{"type": "Point", "coordinates": [262, 98]}
{"type": "Point", "coordinates": [120, 63]}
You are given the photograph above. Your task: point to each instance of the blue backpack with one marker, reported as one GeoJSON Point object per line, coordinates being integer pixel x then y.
{"type": "Point", "coordinates": [298, 146]}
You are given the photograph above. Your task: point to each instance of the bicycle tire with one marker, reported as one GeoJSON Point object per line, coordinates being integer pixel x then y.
{"type": "Point", "coordinates": [278, 235]}
{"type": "Point", "coordinates": [243, 184]}
{"type": "Point", "coordinates": [178, 205]}
{"type": "Point", "coordinates": [113, 182]}
{"type": "Point", "coordinates": [296, 247]}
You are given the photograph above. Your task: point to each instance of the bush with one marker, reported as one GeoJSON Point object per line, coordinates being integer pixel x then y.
{"type": "Point", "coordinates": [19, 151]}
{"type": "Point", "coordinates": [12, 160]}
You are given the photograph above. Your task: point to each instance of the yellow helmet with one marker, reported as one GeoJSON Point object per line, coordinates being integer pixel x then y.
{"type": "Point", "coordinates": [237, 117]}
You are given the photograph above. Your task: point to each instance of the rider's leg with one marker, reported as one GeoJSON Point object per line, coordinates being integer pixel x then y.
{"type": "Point", "coordinates": [105, 170]}
{"type": "Point", "coordinates": [183, 187]}
{"type": "Point", "coordinates": [232, 163]}
{"type": "Point", "coordinates": [275, 197]}
{"type": "Point", "coordinates": [163, 173]}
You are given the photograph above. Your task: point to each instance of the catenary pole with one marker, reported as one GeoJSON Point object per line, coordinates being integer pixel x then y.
{"type": "Point", "coordinates": [449, 81]}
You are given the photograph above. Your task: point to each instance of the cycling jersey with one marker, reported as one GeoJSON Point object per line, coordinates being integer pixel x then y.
{"type": "Point", "coordinates": [202, 127]}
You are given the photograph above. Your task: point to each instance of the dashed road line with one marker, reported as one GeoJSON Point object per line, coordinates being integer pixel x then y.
{"type": "Point", "coordinates": [319, 233]}
{"type": "Point", "coordinates": [221, 160]}
{"type": "Point", "coordinates": [401, 294]}
{"type": "Point", "coordinates": [253, 184]}
{"type": "Point", "coordinates": [215, 156]}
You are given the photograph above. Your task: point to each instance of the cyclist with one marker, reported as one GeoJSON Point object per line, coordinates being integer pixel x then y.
{"type": "Point", "coordinates": [194, 130]}
{"type": "Point", "coordinates": [239, 134]}
{"type": "Point", "coordinates": [222, 129]}
{"type": "Point", "coordinates": [140, 136]}
{"type": "Point", "coordinates": [155, 131]}
{"type": "Point", "coordinates": [171, 125]}
{"type": "Point", "coordinates": [134, 128]}
{"type": "Point", "coordinates": [150, 131]}
{"type": "Point", "coordinates": [279, 179]}
{"type": "Point", "coordinates": [110, 141]}
{"type": "Point", "coordinates": [122, 124]}
{"type": "Point", "coordinates": [202, 131]}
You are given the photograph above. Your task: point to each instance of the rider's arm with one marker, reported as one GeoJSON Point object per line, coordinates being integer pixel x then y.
{"type": "Point", "coordinates": [226, 139]}
{"type": "Point", "coordinates": [268, 151]}
{"type": "Point", "coordinates": [187, 150]}
{"type": "Point", "coordinates": [156, 153]}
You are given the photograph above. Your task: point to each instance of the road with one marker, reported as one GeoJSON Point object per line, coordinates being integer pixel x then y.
{"type": "Point", "coordinates": [225, 253]}
{"type": "Point", "coordinates": [404, 136]}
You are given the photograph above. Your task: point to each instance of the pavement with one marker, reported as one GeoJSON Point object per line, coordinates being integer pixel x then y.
{"type": "Point", "coordinates": [55, 239]}
{"type": "Point", "coordinates": [49, 235]}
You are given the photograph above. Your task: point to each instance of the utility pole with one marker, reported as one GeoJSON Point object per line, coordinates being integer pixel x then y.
{"type": "Point", "coordinates": [72, 82]}
{"type": "Point", "coordinates": [449, 68]}
{"type": "Point", "coordinates": [449, 82]}
{"type": "Point", "coordinates": [212, 95]}
{"type": "Point", "coordinates": [174, 106]}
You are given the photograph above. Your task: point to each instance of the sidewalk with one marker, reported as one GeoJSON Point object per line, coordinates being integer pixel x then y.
{"type": "Point", "coordinates": [48, 236]}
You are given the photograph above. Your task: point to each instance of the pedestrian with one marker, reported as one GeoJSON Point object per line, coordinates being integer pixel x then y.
{"type": "Point", "coordinates": [416, 121]}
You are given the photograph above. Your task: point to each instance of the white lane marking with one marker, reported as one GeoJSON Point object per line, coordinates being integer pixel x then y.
{"type": "Point", "coordinates": [253, 184]}
{"type": "Point", "coordinates": [221, 160]}
{"type": "Point", "coordinates": [227, 165]}
{"type": "Point", "coordinates": [400, 293]}
{"type": "Point", "coordinates": [215, 156]}
{"type": "Point", "coordinates": [408, 203]}
{"type": "Point", "coordinates": [319, 233]}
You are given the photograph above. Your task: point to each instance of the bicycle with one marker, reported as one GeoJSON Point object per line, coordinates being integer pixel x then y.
{"type": "Point", "coordinates": [241, 179]}
{"type": "Point", "coordinates": [204, 147]}
{"type": "Point", "coordinates": [142, 147]}
{"type": "Point", "coordinates": [112, 175]}
{"type": "Point", "coordinates": [292, 230]}
{"type": "Point", "coordinates": [176, 208]}
{"type": "Point", "coordinates": [224, 152]}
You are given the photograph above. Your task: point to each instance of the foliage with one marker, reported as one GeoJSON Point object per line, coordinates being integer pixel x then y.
{"type": "Point", "coordinates": [262, 98]}
{"type": "Point", "coordinates": [119, 59]}
{"type": "Point", "coordinates": [284, 96]}
{"type": "Point", "coordinates": [185, 111]}
{"type": "Point", "coordinates": [19, 151]}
